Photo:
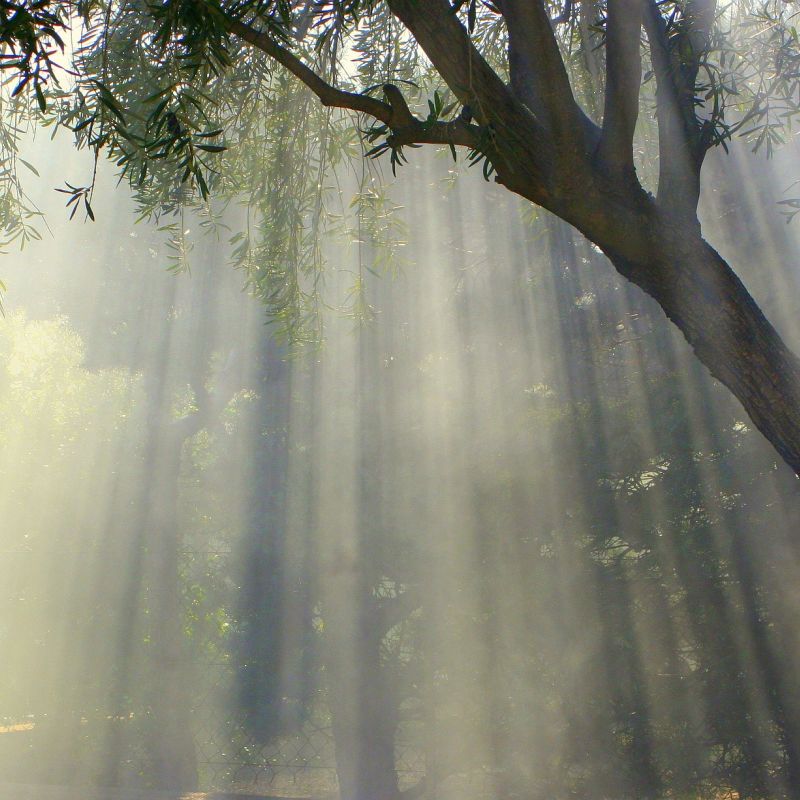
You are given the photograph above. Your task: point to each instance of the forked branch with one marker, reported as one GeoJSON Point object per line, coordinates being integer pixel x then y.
{"type": "Point", "coordinates": [538, 75]}
{"type": "Point", "coordinates": [523, 157]}
{"type": "Point", "coordinates": [447, 44]}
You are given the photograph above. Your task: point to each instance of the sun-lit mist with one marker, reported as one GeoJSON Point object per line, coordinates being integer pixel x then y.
{"type": "Point", "coordinates": [499, 537]}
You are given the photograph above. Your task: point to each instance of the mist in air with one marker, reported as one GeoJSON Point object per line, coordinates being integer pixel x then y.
{"type": "Point", "coordinates": [497, 535]}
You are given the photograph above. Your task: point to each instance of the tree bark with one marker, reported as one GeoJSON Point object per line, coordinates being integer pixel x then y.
{"type": "Point", "coordinates": [655, 244]}
{"type": "Point", "coordinates": [727, 330]}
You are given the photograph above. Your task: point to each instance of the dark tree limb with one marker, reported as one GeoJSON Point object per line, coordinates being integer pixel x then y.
{"type": "Point", "coordinates": [655, 244]}
{"type": "Point", "coordinates": [623, 79]}
{"type": "Point", "coordinates": [491, 102]}
{"type": "Point", "coordinates": [698, 20]}
{"type": "Point", "coordinates": [329, 95]}
{"type": "Point", "coordinates": [447, 43]}
{"type": "Point", "coordinates": [725, 327]}
{"type": "Point", "coordinates": [407, 129]}
{"type": "Point", "coordinates": [680, 140]}
{"type": "Point", "coordinates": [538, 75]}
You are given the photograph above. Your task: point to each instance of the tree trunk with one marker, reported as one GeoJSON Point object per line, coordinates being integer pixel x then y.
{"type": "Point", "coordinates": [664, 253]}
{"type": "Point", "coordinates": [170, 744]}
{"type": "Point", "coordinates": [361, 701]}
{"type": "Point", "coordinates": [725, 327]}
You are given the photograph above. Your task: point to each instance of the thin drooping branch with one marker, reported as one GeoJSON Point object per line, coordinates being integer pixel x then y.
{"type": "Point", "coordinates": [329, 95]}
{"type": "Point", "coordinates": [623, 78]}
{"type": "Point", "coordinates": [538, 75]}
{"type": "Point", "coordinates": [406, 128]}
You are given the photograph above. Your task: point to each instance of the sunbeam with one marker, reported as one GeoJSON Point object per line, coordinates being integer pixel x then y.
{"type": "Point", "coordinates": [331, 467]}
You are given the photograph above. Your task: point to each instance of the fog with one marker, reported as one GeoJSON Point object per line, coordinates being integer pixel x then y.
{"type": "Point", "coordinates": [498, 534]}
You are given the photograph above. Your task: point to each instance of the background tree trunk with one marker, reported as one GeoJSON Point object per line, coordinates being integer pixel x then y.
{"type": "Point", "coordinates": [170, 744]}
{"type": "Point", "coordinates": [361, 701]}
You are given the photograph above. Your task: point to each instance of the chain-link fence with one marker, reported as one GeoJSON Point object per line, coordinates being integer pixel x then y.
{"type": "Point", "coordinates": [302, 764]}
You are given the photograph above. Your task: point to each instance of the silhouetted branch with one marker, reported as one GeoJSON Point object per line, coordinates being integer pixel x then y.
{"type": "Point", "coordinates": [679, 140]}
{"type": "Point", "coordinates": [329, 95]}
{"type": "Point", "coordinates": [447, 44]}
{"type": "Point", "coordinates": [623, 79]}
{"type": "Point", "coordinates": [492, 103]}
{"type": "Point", "coordinates": [698, 20]}
{"type": "Point", "coordinates": [538, 75]}
{"type": "Point", "coordinates": [395, 114]}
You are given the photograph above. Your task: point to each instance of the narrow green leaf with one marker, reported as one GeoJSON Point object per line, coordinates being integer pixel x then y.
{"type": "Point", "coordinates": [30, 167]}
{"type": "Point", "coordinates": [40, 98]}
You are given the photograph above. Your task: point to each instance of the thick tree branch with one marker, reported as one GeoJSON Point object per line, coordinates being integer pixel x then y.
{"type": "Point", "coordinates": [517, 130]}
{"type": "Point", "coordinates": [657, 245]}
{"type": "Point", "coordinates": [447, 44]}
{"type": "Point", "coordinates": [680, 141]}
{"type": "Point", "coordinates": [538, 75]}
{"type": "Point", "coordinates": [589, 40]}
{"type": "Point", "coordinates": [724, 326]}
{"type": "Point", "coordinates": [698, 20]}
{"type": "Point", "coordinates": [401, 116]}
{"type": "Point", "coordinates": [623, 78]}
{"type": "Point", "coordinates": [456, 133]}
